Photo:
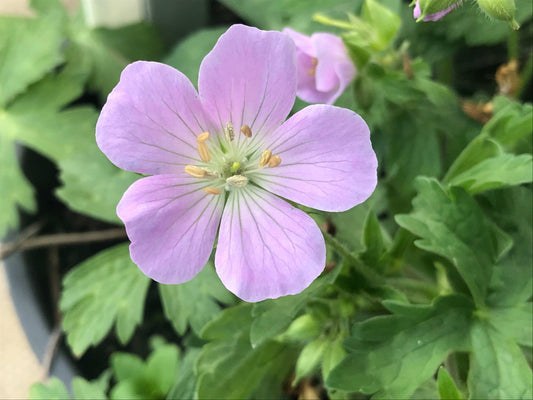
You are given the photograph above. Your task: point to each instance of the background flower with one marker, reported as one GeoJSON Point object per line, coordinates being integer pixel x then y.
{"type": "Point", "coordinates": [324, 67]}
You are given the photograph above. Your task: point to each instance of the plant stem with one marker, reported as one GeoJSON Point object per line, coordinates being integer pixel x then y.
{"type": "Point", "coordinates": [372, 277]}
{"type": "Point", "coordinates": [61, 239]}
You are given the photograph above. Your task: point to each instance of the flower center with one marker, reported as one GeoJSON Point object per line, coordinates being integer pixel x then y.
{"type": "Point", "coordinates": [228, 163]}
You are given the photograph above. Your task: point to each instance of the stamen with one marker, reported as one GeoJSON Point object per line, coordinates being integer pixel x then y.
{"type": "Point", "coordinates": [275, 160]}
{"type": "Point", "coordinates": [229, 133]}
{"type": "Point", "coordinates": [237, 181]}
{"type": "Point", "coordinates": [314, 63]}
{"type": "Point", "coordinates": [202, 137]}
{"type": "Point", "coordinates": [265, 158]}
{"type": "Point", "coordinates": [195, 171]}
{"type": "Point", "coordinates": [204, 151]}
{"type": "Point", "coordinates": [212, 190]}
{"type": "Point", "coordinates": [245, 129]}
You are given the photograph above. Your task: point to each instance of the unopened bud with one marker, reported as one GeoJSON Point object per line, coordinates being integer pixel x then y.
{"type": "Point", "coordinates": [500, 9]}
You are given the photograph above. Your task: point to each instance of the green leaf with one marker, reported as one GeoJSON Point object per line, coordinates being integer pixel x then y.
{"type": "Point", "coordinates": [104, 290]}
{"type": "Point", "coordinates": [309, 358]}
{"type": "Point", "coordinates": [496, 172]}
{"type": "Point", "coordinates": [273, 316]}
{"type": "Point", "coordinates": [54, 389]}
{"type": "Point", "coordinates": [16, 190]}
{"type": "Point", "coordinates": [229, 367]}
{"type": "Point", "coordinates": [189, 53]}
{"type": "Point", "coordinates": [508, 127]}
{"type": "Point", "coordinates": [385, 22]}
{"type": "Point", "coordinates": [108, 51]}
{"type": "Point", "coordinates": [185, 382]}
{"type": "Point", "coordinates": [194, 303]}
{"type": "Point", "coordinates": [498, 369]}
{"type": "Point", "coordinates": [453, 226]}
{"type": "Point", "coordinates": [33, 118]}
{"type": "Point", "coordinates": [84, 390]}
{"type": "Point", "coordinates": [394, 354]}
{"type": "Point", "coordinates": [447, 388]}
{"type": "Point", "coordinates": [297, 14]}
{"type": "Point", "coordinates": [24, 59]}
{"type": "Point", "coordinates": [92, 185]}
{"type": "Point", "coordinates": [145, 380]}
{"type": "Point", "coordinates": [512, 281]}
{"type": "Point", "coordinates": [514, 322]}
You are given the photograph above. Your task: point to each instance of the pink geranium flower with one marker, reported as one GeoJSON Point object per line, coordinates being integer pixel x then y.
{"type": "Point", "coordinates": [324, 67]}
{"type": "Point", "coordinates": [220, 159]}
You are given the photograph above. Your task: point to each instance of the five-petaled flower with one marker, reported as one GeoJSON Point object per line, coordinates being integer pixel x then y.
{"type": "Point", "coordinates": [220, 159]}
{"type": "Point", "coordinates": [324, 67]}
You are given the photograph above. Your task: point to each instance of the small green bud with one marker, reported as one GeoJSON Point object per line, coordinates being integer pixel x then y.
{"type": "Point", "coordinates": [500, 9]}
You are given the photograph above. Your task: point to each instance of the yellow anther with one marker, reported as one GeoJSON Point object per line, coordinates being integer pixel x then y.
{"type": "Point", "coordinates": [237, 181]}
{"type": "Point", "coordinates": [265, 158]}
{"type": "Point", "coordinates": [229, 133]}
{"type": "Point", "coordinates": [195, 171]}
{"type": "Point", "coordinates": [246, 131]}
{"type": "Point", "coordinates": [314, 63]}
{"type": "Point", "coordinates": [204, 151]}
{"type": "Point", "coordinates": [212, 190]}
{"type": "Point", "coordinates": [202, 137]}
{"type": "Point", "coordinates": [275, 160]}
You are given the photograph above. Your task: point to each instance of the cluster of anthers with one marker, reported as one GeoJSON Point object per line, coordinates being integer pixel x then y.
{"type": "Point", "coordinates": [230, 163]}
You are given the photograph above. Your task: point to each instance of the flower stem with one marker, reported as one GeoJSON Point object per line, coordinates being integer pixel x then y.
{"type": "Point", "coordinates": [372, 277]}
{"type": "Point", "coordinates": [61, 239]}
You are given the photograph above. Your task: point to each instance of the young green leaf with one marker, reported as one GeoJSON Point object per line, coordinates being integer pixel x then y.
{"type": "Point", "coordinates": [105, 290]}
{"type": "Point", "coordinates": [194, 303]}
{"type": "Point", "coordinates": [447, 388]}
{"type": "Point", "coordinates": [496, 172]}
{"type": "Point", "coordinates": [152, 379]}
{"type": "Point", "coordinates": [394, 354]}
{"type": "Point", "coordinates": [309, 358]}
{"type": "Point", "coordinates": [185, 382]}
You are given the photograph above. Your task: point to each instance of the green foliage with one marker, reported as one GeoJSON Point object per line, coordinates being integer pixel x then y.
{"type": "Point", "coordinates": [24, 59]}
{"type": "Point", "coordinates": [447, 387]}
{"type": "Point", "coordinates": [194, 303]}
{"type": "Point", "coordinates": [498, 370]}
{"type": "Point", "coordinates": [189, 53]}
{"type": "Point", "coordinates": [91, 184]}
{"type": "Point", "coordinates": [452, 225]}
{"type": "Point", "coordinates": [229, 367]}
{"type": "Point", "coordinates": [150, 379]}
{"type": "Point", "coordinates": [392, 355]}
{"type": "Point", "coordinates": [54, 389]}
{"type": "Point", "coordinates": [105, 290]}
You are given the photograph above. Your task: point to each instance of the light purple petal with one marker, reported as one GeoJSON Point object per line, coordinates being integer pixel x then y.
{"type": "Point", "coordinates": [172, 224]}
{"type": "Point", "coordinates": [266, 247]}
{"type": "Point", "coordinates": [303, 42]}
{"type": "Point", "coordinates": [335, 70]}
{"type": "Point", "coordinates": [327, 161]}
{"type": "Point", "coordinates": [151, 119]}
{"type": "Point", "coordinates": [249, 78]}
